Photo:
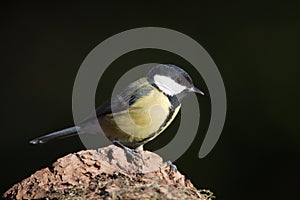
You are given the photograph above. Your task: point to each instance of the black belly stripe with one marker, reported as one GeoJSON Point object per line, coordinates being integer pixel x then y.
{"type": "Point", "coordinates": [174, 104]}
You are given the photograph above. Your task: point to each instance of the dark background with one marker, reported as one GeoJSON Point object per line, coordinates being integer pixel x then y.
{"type": "Point", "coordinates": [255, 46]}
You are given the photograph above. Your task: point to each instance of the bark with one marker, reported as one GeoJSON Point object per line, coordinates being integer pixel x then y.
{"type": "Point", "coordinates": [108, 173]}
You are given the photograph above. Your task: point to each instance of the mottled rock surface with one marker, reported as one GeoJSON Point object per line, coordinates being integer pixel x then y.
{"type": "Point", "coordinates": [108, 173]}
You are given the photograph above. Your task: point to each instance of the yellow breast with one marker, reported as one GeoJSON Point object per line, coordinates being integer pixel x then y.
{"type": "Point", "coordinates": [143, 118]}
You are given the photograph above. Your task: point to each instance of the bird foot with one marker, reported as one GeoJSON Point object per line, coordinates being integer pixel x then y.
{"type": "Point", "coordinates": [172, 166]}
{"type": "Point", "coordinates": [131, 154]}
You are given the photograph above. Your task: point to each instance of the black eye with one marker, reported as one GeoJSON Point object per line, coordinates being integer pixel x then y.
{"type": "Point", "coordinates": [188, 78]}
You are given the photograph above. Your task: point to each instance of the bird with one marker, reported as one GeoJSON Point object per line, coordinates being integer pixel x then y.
{"type": "Point", "coordinates": [140, 112]}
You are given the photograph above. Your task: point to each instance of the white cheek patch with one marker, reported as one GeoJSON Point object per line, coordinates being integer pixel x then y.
{"type": "Point", "coordinates": [168, 85]}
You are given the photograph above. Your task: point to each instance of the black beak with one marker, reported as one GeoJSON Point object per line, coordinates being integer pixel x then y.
{"type": "Point", "coordinates": [196, 90]}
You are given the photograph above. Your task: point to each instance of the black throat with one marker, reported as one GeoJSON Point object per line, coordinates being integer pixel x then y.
{"type": "Point", "coordinates": [175, 102]}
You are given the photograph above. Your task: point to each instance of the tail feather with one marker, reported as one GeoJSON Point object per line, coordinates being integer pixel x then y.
{"type": "Point", "coordinates": [56, 135]}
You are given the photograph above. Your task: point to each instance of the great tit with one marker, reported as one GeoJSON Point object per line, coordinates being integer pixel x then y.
{"type": "Point", "coordinates": [140, 112]}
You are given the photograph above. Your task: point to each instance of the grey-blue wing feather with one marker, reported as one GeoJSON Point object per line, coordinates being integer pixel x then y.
{"type": "Point", "coordinates": [124, 99]}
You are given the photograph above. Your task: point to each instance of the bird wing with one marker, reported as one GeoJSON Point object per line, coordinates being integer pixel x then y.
{"type": "Point", "coordinates": [124, 99]}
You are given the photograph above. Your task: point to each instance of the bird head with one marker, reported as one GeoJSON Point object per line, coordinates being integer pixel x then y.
{"type": "Point", "coordinates": [172, 80]}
